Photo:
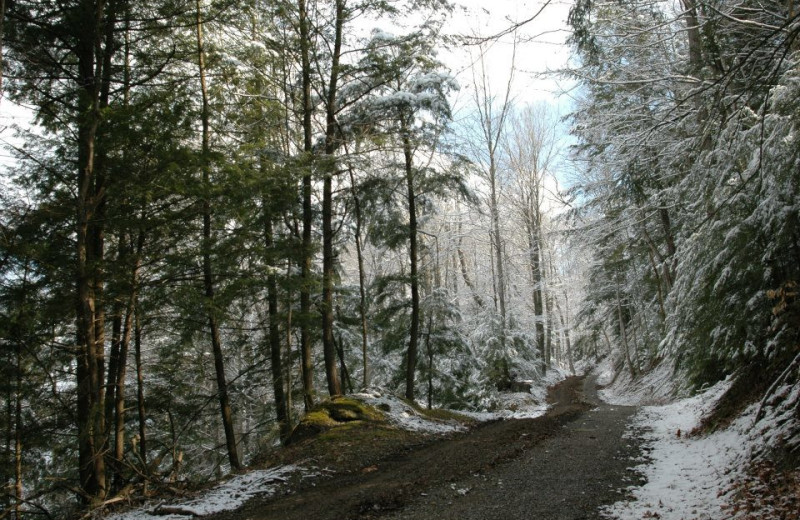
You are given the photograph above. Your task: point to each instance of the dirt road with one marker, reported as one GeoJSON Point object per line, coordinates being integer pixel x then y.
{"type": "Point", "coordinates": [563, 465]}
{"type": "Point", "coordinates": [566, 476]}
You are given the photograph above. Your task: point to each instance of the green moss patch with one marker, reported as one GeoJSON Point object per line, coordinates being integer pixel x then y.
{"type": "Point", "coordinates": [335, 413]}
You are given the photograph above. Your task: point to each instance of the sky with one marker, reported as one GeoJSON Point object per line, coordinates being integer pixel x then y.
{"type": "Point", "coordinates": [540, 51]}
{"type": "Point", "coordinates": [541, 47]}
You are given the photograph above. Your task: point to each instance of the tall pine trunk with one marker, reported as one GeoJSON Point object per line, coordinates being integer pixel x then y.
{"type": "Point", "coordinates": [275, 346]}
{"type": "Point", "coordinates": [328, 343]}
{"type": "Point", "coordinates": [362, 290]}
{"type": "Point", "coordinates": [140, 403]}
{"type": "Point", "coordinates": [305, 262]}
{"type": "Point", "coordinates": [535, 257]}
{"type": "Point", "coordinates": [208, 275]}
{"type": "Point", "coordinates": [413, 340]}
{"type": "Point", "coordinates": [90, 358]}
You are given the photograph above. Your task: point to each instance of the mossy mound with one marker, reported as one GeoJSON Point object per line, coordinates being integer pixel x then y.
{"type": "Point", "coordinates": [335, 413]}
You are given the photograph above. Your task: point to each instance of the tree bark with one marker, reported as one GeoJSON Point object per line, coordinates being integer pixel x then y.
{"type": "Point", "coordinates": [624, 335]}
{"type": "Point", "coordinates": [90, 358]}
{"type": "Point", "coordinates": [534, 252]}
{"type": "Point", "coordinates": [2, 41]}
{"type": "Point", "coordinates": [362, 303]}
{"type": "Point", "coordinates": [208, 276]}
{"type": "Point", "coordinates": [411, 356]}
{"type": "Point", "coordinates": [275, 345]}
{"type": "Point", "coordinates": [140, 404]}
{"type": "Point", "coordinates": [328, 344]}
{"type": "Point", "coordinates": [305, 263]}
{"type": "Point", "coordinates": [497, 241]}
{"type": "Point", "coordinates": [693, 35]}
{"type": "Point", "coordinates": [465, 275]}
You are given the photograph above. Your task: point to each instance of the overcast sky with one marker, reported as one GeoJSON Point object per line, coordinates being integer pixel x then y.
{"type": "Point", "coordinates": [541, 45]}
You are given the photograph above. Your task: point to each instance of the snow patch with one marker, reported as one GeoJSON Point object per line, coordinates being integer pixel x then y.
{"type": "Point", "coordinates": [404, 416]}
{"type": "Point", "coordinates": [523, 405]}
{"type": "Point", "coordinates": [687, 477]}
{"type": "Point", "coordinates": [228, 496]}
{"type": "Point", "coordinates": [655, 387]}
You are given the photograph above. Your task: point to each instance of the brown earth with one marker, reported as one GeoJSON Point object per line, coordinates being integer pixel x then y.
{"type": "Point", "coordinates": [483, 473]}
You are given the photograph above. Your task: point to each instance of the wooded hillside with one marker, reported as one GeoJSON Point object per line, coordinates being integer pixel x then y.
{"type": "Point", "coordinates": [227, 211]}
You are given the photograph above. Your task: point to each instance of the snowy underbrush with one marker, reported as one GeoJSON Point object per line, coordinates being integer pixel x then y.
{"type": "Point", "coordinates": [657, 386]}
{"type": "Point", "coordinates": [521, 405]}
{"type": "Point", "coordinates": [700, 476]}
{"type": "Point", "coordinates": [404, 416]}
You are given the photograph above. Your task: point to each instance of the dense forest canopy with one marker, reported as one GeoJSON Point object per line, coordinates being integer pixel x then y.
{"type": "Point", "coordinates": [228, 211]}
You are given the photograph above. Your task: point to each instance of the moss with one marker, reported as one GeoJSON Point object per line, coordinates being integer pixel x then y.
{"type": "Point", "coordinates": [344, 409]}
{"type": "Point", "coordinates": [319, 418]}
{"type": "Point", "coordinates": [333, 414]}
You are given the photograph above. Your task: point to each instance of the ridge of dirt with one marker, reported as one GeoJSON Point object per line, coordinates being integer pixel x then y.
{"type": "Point", "coordinates": [376, 486]}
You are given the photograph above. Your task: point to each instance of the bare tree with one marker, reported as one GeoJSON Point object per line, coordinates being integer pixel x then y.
{"type": "Point", "coordinates": [492, 115]}
{"type": "Point", "coordinates": [530, 149]}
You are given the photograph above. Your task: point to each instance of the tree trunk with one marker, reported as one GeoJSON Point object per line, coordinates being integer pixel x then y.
{"type": "Point", "coordinates": [275, 345]}
{"type": "Point", "coordinates": [122, 366]}
{"type": "Point", "coordinates": [693, 35]}
{"type": "Point", "coordinates": [140, 405]}
{"type": "Point", "coordinates": [127, 324]}
{"type": "Point", "coordinates": [563, 317]}
{"type": "Point", "coordinates": [429, 350]}
{"type": "Point", "coordinates": [624, 335]}
{"type": "Point", "coordinates": [465, 275]}
{"type": "Point", "coordinates": [208, 277]}
{"type": "Point", "coordinates": [328, 346]}
{"type": "Point", "coordinates": [18, 337]}
{"type": "Point", "coordinates": [362, 304]}
{"type": "Point", "coordinates": [497, 241]}
{"type": "Point", "coordinates": [305, 288]}
{"type": "Point", "coordinates": [411, 356]}
{"type": "Point", "coordinates": [2, 40]}
{"type": "Point", "coordinates": [669, 260]}
{"type": "Point", "coordinates": [288, 371]}
{"type": "Point", "coordinates": [90, 392]}
{"type": "Point", "coordinates": [18, 487]}
{"type": "Point", "coordinates": [534, 252]}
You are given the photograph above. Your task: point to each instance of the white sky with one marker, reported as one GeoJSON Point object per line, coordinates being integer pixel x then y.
{"type": "Point", "coordinates": [11, 114]}
{"type": "Point", "coordinates": [541, 48]}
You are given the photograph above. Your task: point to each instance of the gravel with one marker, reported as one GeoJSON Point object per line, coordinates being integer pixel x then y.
{"type": "Point", "coordinates": [566, 476]}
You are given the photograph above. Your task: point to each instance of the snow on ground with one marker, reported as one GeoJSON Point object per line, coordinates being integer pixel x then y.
{"type": "Point", "coordinates": [655, 387]}
{"type": "Point", "coordinates": [226, 496]}
{"type": "Point", "coordinates": [516, 405]}
{"type": "Point", "coordinates": [690, 477]}
{"type": "Point", "coordinates": [404, 416]}
{"type": "Point", "coordinates": [687, 476]}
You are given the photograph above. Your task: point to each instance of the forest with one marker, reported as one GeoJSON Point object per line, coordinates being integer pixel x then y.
{"type": "Point", "coordinates": [227, 211]}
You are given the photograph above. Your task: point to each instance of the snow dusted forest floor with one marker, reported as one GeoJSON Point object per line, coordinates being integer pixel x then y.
{"type": "Point", "coordinates": [695, 474]}
{"type": "Point", "coordinates": [691, 472]}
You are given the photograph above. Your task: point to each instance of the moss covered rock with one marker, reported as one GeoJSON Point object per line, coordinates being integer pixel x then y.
{"type": "Point", "coordinates": [334, 413]}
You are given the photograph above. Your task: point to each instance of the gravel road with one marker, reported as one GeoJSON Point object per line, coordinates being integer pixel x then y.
{"type": "Point", "coordinates": [563, 465]}
{"type": "Point", "coordinates": [566, 476]}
